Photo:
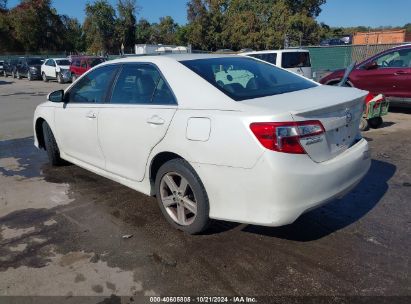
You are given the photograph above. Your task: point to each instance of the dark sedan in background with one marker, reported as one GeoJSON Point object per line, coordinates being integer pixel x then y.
{"type": "Point", "coordinates": [388, 72]}
{"type": "Point", "coordinates": [29, 67]}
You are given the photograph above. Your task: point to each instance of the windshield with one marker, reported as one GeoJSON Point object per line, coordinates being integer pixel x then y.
{"type": "Point", "coordinates": [246, 78]}
{"type": "Point", "coordinates": [63, 62]}
{"type": "Point", "coordinates": [32, 61]}
{"type": "Point", "coordinates": [95, 61]}
{"type": "Point", "coordinates": [295, 60]}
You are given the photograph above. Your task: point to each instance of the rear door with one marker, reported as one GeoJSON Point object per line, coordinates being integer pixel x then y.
{"type": "Point", "coordinates": [297, 62]}
{"type": "Point", "coordinates": [136, 119]}
{"type": "Point", "coordinates": [76, 120]}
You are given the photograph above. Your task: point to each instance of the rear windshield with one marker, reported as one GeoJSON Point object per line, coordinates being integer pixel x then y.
{"type": "Point", "coordinates": [34, 61]}
{"type": "Point", "coordinates": [95, 61]}
{"type": "Point", "coordinates": [63, 62]}
{"type": "Point", "coordinates": [295, 60]}
{"type": "Point", "coordinates": [269, 57]}
{"type": "Point", "coordinates": [244, 78]}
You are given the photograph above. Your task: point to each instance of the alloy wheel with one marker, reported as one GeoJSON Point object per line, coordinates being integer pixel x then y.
{"type": "Point", "coordinates": [178, 198]}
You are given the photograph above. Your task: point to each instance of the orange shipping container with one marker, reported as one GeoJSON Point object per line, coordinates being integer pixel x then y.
{"type": "Point", "coordinates": [381, 37]}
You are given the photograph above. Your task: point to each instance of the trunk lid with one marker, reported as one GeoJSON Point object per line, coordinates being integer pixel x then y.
{"type": "Point", "coordinates": [339, 110]}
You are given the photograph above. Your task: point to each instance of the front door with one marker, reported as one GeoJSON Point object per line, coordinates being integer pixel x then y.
{"type": "Point", "coordinates": [76, 120]}
{"type": "Point", "coordinates": [135, 120]}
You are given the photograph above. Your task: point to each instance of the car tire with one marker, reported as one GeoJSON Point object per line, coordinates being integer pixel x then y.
{"type": "Point", "coordinates": [13, 74]}
{"type": "Point", "coordinates": [73, 77]}
{"type": "Point", "coordinates": [18, 75]}
{"type": "Point", "coordinates": [375, 122]}
{"type": "Point", "coordinates": [59, 79]}
{"type": "Point", "coordinates": [43, 75]}
{"type": "Point", "coordinates": [50, 144]}
{"type": "Point", "coordinates": [29, 78]}
{"type": "Point", "coordinates": [185, 208]}
{"type": "Point", "coordinates": [364, 124]}
{"type": "Point", "coordinates": [5, 74]}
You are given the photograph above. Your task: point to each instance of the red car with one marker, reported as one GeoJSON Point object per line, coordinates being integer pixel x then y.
{"type": "Point", "coordinates": [388, 72]}
{"type": "Point", "coordinates": [81, 64]}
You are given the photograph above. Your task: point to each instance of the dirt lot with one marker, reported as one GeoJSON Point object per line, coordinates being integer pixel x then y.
{"type": "Point", "coordinates": [61, 229]}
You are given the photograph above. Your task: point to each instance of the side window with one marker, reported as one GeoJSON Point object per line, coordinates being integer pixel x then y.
{"type": "Point", "coordinates": [269, 57]}
{"type": "Point", "coordinates": [76, 63]}
{"type": "Point", "coordinates": [52, 63]}
{"type": "Point", "coordinates": [83, 64]}
{"type": "Point", "coordinates": [92, 88]}
{"type": "Point", "coordinates": [141, 84]}
{"type": "Point", "coordinates": [396, 59]}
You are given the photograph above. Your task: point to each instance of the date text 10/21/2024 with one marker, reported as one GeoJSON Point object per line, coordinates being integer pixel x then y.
{"type": "Point", "coordinates": [203, 299]}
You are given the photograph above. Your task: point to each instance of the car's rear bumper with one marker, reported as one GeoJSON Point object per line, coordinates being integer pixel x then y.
{"type": "Point", "coordinates": [281, 187]}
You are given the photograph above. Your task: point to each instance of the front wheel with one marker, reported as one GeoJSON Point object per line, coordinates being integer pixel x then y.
{"type": "Point", "coordinates": [182, 197]}
{"type": "Point", "coordinates": [73, 78]}
{"type": "Point", "coordinates": [52, 149]}
{"type": "Point", "coordinates": [59, 78]}
{"type": "Point", "coordinates": [44, 77]}
{"type": "Point", "coordinates": [18, 75]}
{"type": "Point", "coordinates": [375, 122]}
{"type": "Point", "coordinates": [13, 75]}
{"type": "Point", "coordinates": [29, 78]}
{"type": "Point", "coordinates": [5, 74]}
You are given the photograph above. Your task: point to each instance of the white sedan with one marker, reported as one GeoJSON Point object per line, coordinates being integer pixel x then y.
{"type": "Point", "coordinates": [56, 68]}
{"type": "Point", "coordinates": [211, 136]}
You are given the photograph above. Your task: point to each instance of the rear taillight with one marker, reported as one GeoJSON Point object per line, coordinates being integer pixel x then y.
{"type": "Point", "coordinates": [285, 136]}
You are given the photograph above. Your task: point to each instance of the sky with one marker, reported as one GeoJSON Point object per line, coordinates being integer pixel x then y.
{"type": "Point", "coordinates": [345, 13]}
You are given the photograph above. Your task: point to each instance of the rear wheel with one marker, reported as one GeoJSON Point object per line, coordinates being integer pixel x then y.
{"type": "Point", "coordinates": [364, 124]}
{"type": "Point", "coordinates": [50, 144]}
{"type": "Point", "coordinates": [182, 197]}
{"type": "Point", "coordinates": [375, 122]}
{"type": "Point", "coordinates": [29, 78]}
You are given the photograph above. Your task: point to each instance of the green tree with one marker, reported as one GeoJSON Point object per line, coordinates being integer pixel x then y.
{"type": "Point", "coordinates": [165, 31]}
{"type": "Point", "coordinates": [144, 32]}
{"type": "Point", "coordinates": [74, 38]}
{"type": "Point", "coordinates": [99, 26]}
{"type": "Point", "coordinates": [126, 24]}
{"type": "Point", "coordinates": [36, 25]}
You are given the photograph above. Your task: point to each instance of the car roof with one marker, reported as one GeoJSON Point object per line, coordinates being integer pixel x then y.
{"type": "Point", "coordinates": [168, 57]}
{"type": "Point", "coordinates": [276, 51]}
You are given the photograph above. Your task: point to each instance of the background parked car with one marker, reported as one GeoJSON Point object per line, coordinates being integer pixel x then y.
{"type": "Point", "coordinates": [294, 60]}
{"type": "Point", "coordinates": [388, 73]}
{"type": "Point", "coordinates": [29, 67]}
{"type": "Point", "coordinates": [9, 68]}
{"type": "Point", "coordinates": [56, 68]}
{"type": "Point", "coordinates": [80, 65]}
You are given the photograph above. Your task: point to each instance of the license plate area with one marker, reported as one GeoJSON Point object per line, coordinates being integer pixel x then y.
{"type": "Point", "coordinates": [343, 136]}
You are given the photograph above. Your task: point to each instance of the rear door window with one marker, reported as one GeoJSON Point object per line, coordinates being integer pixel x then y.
{"type": "Point", "coordinates": [295, 60]}
{"type": "Point", "coordinates": [141, 84]}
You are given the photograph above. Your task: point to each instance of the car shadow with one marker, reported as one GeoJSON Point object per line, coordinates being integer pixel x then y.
{"type": "Point", "coordinates": [338, 214]}
{"type": "Point", "coordinates": [2, 82]}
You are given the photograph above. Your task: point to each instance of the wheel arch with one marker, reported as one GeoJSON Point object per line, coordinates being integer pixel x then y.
{"type": "Point", "coordinates": [39, 132]}
{"type": "Point", "coordinates": [157, 161]}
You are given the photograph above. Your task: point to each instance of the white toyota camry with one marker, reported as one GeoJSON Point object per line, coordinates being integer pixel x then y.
{"type": "Point", "coordinates": [211, 136]}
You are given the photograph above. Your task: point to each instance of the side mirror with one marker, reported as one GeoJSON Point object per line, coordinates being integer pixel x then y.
{"type": "Point", "coordinates": [371, 65]}
{"type": "Point", "coordinates": [56, 96]}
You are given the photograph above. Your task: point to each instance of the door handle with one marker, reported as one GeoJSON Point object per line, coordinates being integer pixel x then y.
{"type": "Point", "coordinates": [91, 115]}
{"type": "Point", "coordinates": [400, 73]}
{"type": "Point", "coordinates": [155, 120]}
